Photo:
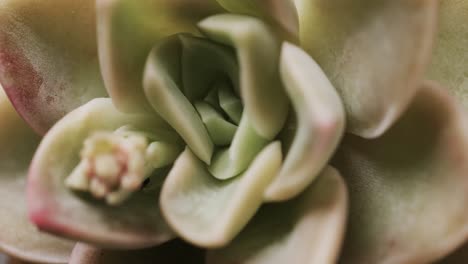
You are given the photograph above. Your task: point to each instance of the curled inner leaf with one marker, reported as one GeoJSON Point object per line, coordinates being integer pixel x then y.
{"type": "Point", "coordinates": [258, 51]}
{"type": "Point", "coordinates": [200, 101]}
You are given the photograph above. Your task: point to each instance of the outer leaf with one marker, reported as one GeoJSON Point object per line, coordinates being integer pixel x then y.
{"type": "Point", "coordinates": [128, 29]}
{"type": "Point", "coordinates": [308, 229]}
{"type": "Point", "coordinates": [374, 52]}
{"type": "Point", "coordinates": [18, 237]}
{"type": "Point", "coordinates": [450, 61]}
{"type": "Point", "coordinates": [209, 212]}
{"type": "Point", "coordinates": [409, 188]}
{"type": "Point", "coordinates": [320, 123]}
{"type": "Point", "coordinates": [48, 58]}
{"type": "Point", "coordinates": [258, 51]}
{"type": "Point", "coordinates": [54, 208]}
{"type": "Point", "coordinates": [174, 251]}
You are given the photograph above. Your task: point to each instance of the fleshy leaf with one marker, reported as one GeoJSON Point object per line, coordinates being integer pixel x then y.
{"type": "Point", "coordinates": [308, 229]}
{"type": "Point", "coordinates": [230, 104]}
{"type": "Point", "coordinates": [408, 189]}
{"type": "Point", "coordinates": [221, 131]}
{"type": "Point", "coordinates": [204, 63]}
{"type": "Point", "coordinates": [208, 212]}
{"type": "Point", "coordinates": [450, 58]}
{"type": "Point", "coordinates": [18, 237]}
{"type": "Point", "coordinates": [279, 12]}
{"type": "Point", "coordinates": [54, 208]}
{"type": "Point", "coordinates": [128, 29]}
{"type": "Point", "coordinates": [163, 84]}
{"type": "Point", "coordinates": [246, 144]}
{"type": "Point", "coordinates": [320, 118]}
{"type": "Point", "coordinates": [48, 70]}
{"type": "Point", "coordinates": [174, 251]}
{"type": "Point", "coordinates": [258, 52]}
{"type": "Point", "coordinates": [374, 53]}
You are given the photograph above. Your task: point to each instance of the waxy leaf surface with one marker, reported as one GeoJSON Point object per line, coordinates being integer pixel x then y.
{"type": "Point", "coordinates": [48, 58]}
{"type": "Point", "coordinates": [373, 51]}
{"type": "Point", "coordinates": [409, 188]}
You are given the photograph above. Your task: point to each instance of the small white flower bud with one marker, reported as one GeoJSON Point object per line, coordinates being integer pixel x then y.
{"type": "Point", "coordinates": [115, 164]}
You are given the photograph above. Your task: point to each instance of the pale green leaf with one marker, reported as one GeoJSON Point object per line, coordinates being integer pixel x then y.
{"type": "Point", "coordinates": [230, 104]}
{"type": "Point", "coordinates": [373, 51]}
{"type": "Point", "coordinates": [205, 63]}
{"type": "Point", "coordinates": [246, 144]}
{"type": "Point", "coordinates": [257, 50]}
{"type": "Point", "coordinates": [308, 229]}
{"type": "Point", "coordinates": [320, 123]}
{"type": "Point", "coordinates": [128, 29]}
{"type": "Point", "coordinates": [221, 131]}
{"type": "Point", "coordinates": [163, 84]}
{"type": "Point", "coordinates": [209, 212]}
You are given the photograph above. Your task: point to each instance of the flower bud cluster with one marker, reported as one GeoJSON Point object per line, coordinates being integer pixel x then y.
{"type": "Point", "coordinates": [112, 166]}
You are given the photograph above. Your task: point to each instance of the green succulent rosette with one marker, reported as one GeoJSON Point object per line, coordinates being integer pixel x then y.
{"type": "Point", "coordinates": [256, 131]}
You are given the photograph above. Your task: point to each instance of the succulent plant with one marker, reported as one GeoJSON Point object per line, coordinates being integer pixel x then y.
{"type": "Point", "coordinates": [276, 131]}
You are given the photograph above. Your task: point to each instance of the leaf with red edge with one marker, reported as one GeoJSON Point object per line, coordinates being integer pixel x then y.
{"type": "Point", "coordinates": [18, 237]}
{"type": "Point", "coordinates": [54, 208]}
{"type": "Point", "coordinates": [48, 58]}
